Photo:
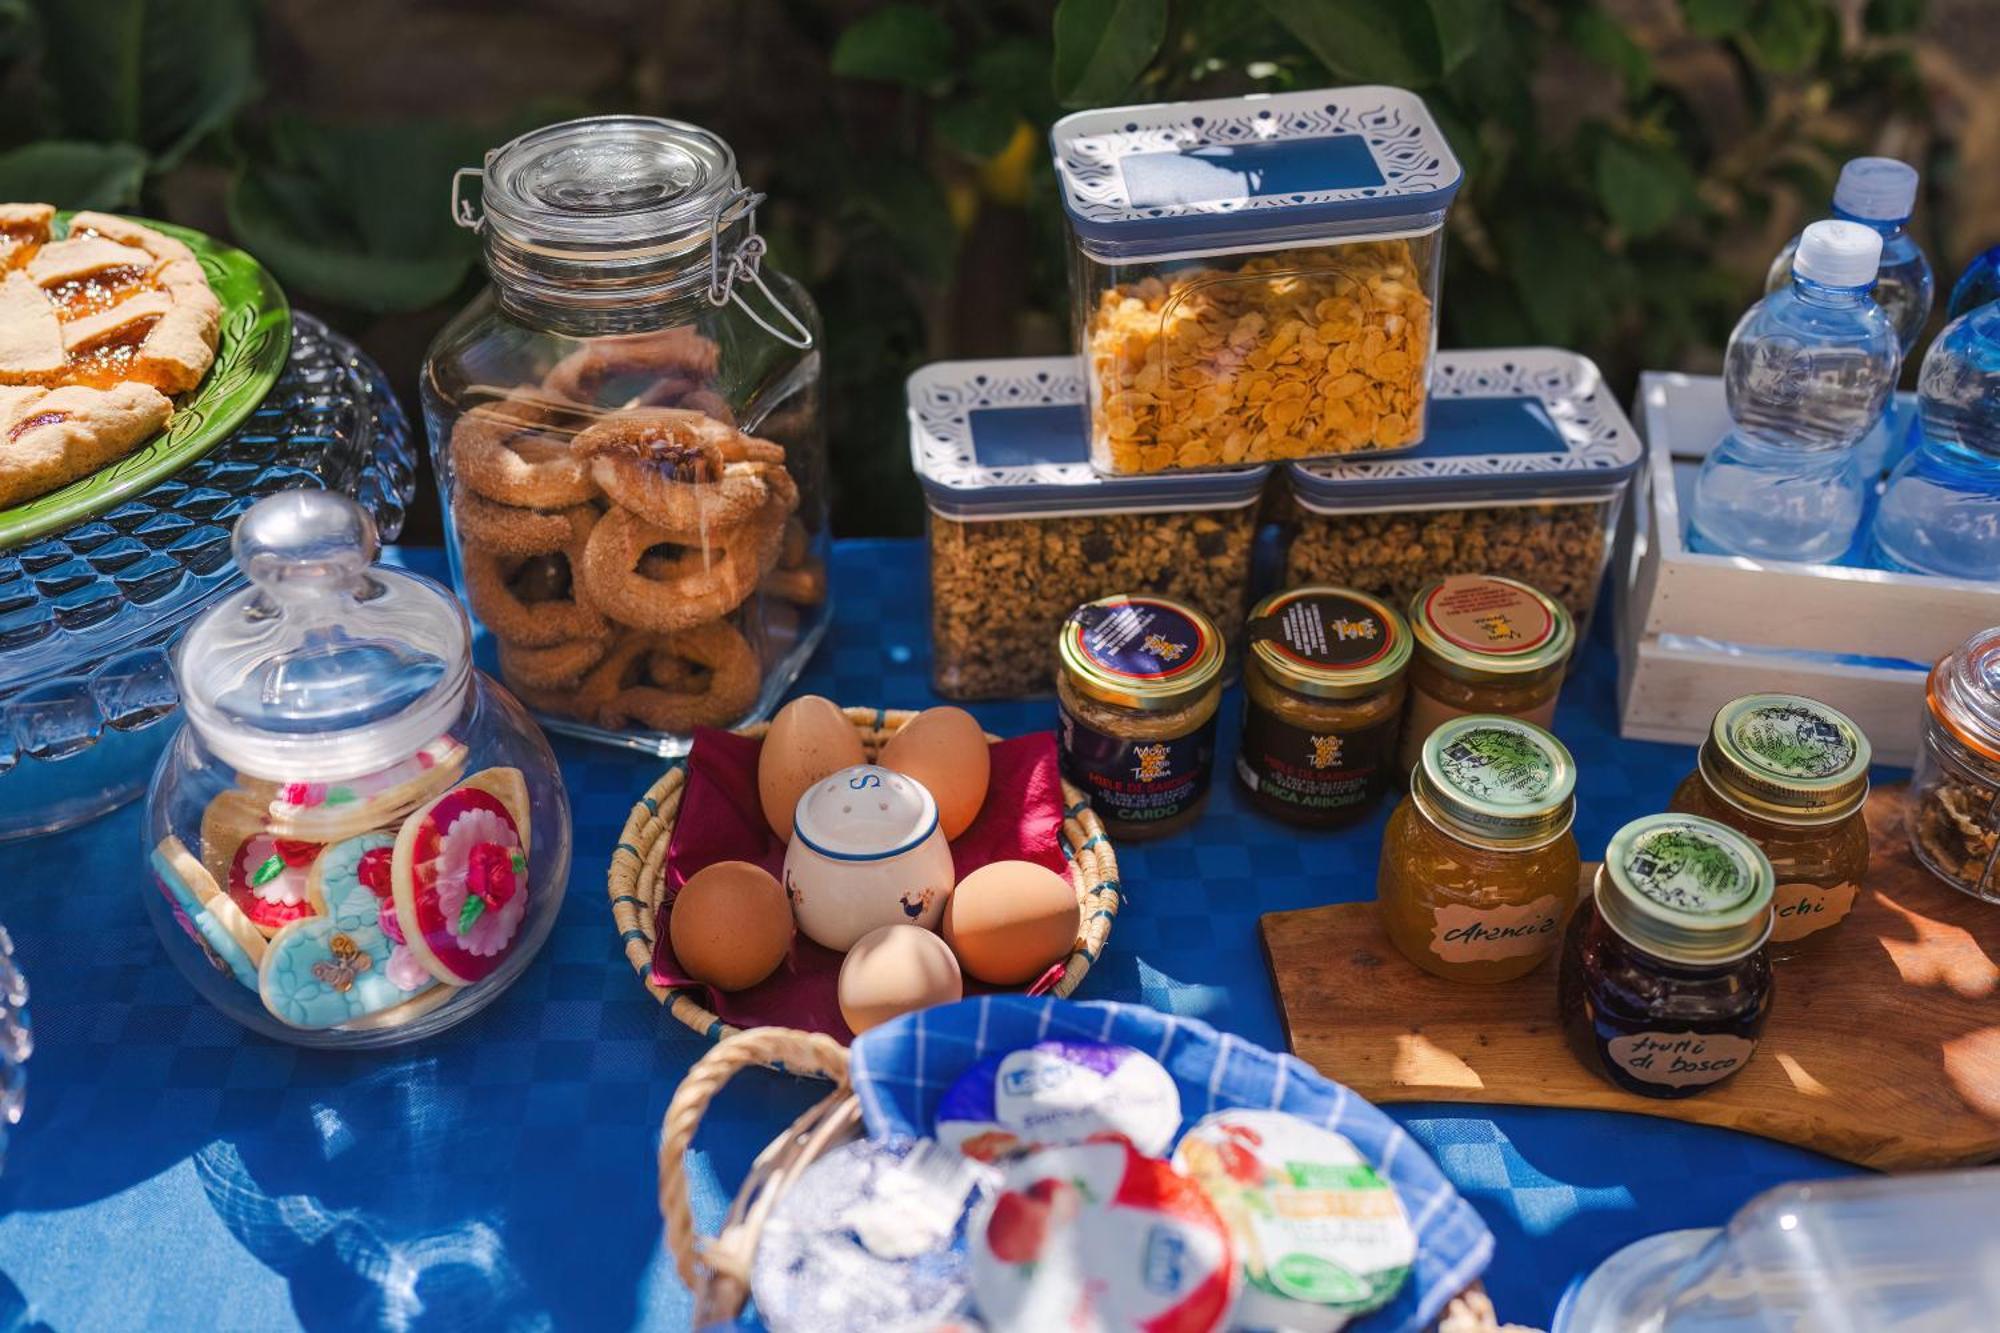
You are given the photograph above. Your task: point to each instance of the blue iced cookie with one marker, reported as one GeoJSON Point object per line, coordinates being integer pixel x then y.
{"type": "Point", "coordinates": [334, 967]}
{"type": "Point", "coordinates": [218, 925]}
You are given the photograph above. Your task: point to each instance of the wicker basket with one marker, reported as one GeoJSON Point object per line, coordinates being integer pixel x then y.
{"type": "Point", "coordinates": [637, 880]}
{"type": "Point", "coordinates": [717, 1271]}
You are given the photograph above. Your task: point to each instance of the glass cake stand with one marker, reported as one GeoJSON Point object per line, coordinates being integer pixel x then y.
{"type": "Point", "coordinates": [89, 615]}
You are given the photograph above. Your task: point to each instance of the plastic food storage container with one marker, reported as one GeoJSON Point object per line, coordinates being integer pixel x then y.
{"type": "Point", "coordinates": [1021, 528]}
{"type": "Point", "coordinates": [628, 436]}
{"type": "Point", "coordinates": [1955, 791]}
{"type": "Point", "coordinates": [356, 839]}
{"type": "Point", "coordinates": [1255, 278]}
{"type": "Point", "coordinates": [1523, 474]}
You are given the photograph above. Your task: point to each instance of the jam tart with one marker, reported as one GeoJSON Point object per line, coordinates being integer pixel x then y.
{"type": "Point", "coordinates": [98, 330]}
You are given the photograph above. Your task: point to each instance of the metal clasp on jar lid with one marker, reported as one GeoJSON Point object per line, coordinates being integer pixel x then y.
{"type": "Point", "coordinates": [585, 229]}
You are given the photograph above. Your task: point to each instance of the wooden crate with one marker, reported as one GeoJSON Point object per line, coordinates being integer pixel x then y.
{"type": "Point", "coordinates": [1694, 631]}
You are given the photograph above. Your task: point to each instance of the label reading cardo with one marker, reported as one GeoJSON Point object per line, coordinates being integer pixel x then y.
{"type": "Point", "coordinates": [1139, 782]}
{"type": "Point", "coordinates": [1799, 909]}
{"type": "Point", "coordinates": [1680, 1059]}
{"type": "Point", "coordinates": [1463, 934]}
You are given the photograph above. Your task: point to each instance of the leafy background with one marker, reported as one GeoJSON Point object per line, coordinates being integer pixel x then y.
{"type": "Point", "coordinates": [1631, 166]}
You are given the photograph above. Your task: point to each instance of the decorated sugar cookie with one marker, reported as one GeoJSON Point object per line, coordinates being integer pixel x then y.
{"type": "Point", "coordinates": [264, 875]}
{"type": "Point", "coordinates": [329, 811]}
{"type": "Point", "coordinates": [339, 965]}
{"type": "Point", "coordinates": [461, 876]}
{"type": "Point", "coordinates": [234, 946]}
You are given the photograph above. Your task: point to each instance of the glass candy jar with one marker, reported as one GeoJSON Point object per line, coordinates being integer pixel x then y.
{"type": "Point", "coordinates": [1955, 791]}
{"type": "Point", "coordinates": [356, 839]}
{"type": "Point", "coordinates": [628, 436]}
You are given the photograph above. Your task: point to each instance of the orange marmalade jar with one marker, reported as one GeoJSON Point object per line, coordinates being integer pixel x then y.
{"type": "Point", "coordinates": [1479, 868]}
{"type": "Point", "coordinates": [1484, 644]}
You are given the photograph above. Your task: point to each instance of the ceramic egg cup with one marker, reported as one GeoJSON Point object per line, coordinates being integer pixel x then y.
{"type": "Point", "coordinates": [637, 878]}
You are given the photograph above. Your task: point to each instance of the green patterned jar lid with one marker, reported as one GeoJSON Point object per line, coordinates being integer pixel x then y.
{"type": "Point", "coordinates": [1686, 889]}
{"type": "Point", "coordinates": [1496, 781]}
{"type": "Point", "coordinates": [1787, 758]}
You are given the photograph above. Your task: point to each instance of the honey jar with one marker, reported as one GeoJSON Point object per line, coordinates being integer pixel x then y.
{"type": "Point", "coordinates": [1484, 644]}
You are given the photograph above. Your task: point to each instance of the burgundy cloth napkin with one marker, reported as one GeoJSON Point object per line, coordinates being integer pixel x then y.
{"type": "Point", "coordinates": [721, 819]}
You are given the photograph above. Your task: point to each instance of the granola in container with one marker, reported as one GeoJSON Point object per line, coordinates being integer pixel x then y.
{"type": "Point", "coordinates": [1523, 473]}
{"type": "Point", "coordinates": [1955, 791]}
{"type": "Point", "coordinates": [1255, 279]}
{"type": "Point", "coordinates": [1021, 528]}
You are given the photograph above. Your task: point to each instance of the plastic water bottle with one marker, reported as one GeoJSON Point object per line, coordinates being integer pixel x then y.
{"type": "Point", "coordinates": [1809, 369]}
{"type": "Point", "coordinates": [1902, 1254]}
{"type": "Point", "coordinates": [1979, 285]}
{"type": "Point", "coordinates": [1940, 513]}
{"type": "Point", "coordinates": [1880, 193]}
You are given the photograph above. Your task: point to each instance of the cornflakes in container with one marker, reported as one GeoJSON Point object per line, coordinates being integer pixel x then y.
{"type": "Point", "coordinates": [1255, 278]}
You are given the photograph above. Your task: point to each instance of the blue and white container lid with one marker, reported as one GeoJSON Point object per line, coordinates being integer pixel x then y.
{"type": "Point", "coordinates": [1246, 173]}
{"type": "Point", "coordinates": [1008, 438]}
{"type": "Point", "coordinates": [1507, 426]}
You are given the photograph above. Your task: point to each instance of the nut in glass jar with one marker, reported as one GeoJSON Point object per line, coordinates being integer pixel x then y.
{"type": "Point", "coordinates": [1136, 700]}
{"type": "Point", "coordinates": [1955, 791]}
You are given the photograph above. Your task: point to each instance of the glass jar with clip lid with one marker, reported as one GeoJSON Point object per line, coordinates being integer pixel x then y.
{"type": "Point", "coordinates": [628, 433]}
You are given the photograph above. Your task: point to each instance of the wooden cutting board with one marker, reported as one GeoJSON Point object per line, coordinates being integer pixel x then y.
{"type": "Point", "coordinates": [1883, 1046]}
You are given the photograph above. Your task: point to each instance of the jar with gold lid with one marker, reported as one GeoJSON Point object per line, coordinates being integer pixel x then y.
{"type": "Point", "coordinates": [1955, 790]}
{"type": "Point", "coordinates": [1479, 868]}
{"type": "Point", "coordinates": [1323, 702]}
{"type": "Point", "coordinates": [1666, 983]}
{"type": "Point", "coordinates": [1136, 698]}
{"type": "Point", "coordinates": [1791, 774]}
{"type": "Point", "coordinates": [1484, 644]}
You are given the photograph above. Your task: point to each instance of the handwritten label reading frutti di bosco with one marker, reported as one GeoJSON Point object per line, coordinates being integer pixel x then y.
{"type": "Point", "coordinates": [1679, 1059]}
{"type": "Point", "coordinates": [1799, 909]}
{"type": "Point", "coordinates": [1463, 934]}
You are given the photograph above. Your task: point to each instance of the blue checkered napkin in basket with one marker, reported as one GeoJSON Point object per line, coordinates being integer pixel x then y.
{"type": "Point", "coordinates": [899, 1071]}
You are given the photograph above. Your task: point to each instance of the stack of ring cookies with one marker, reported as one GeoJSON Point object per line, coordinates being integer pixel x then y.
{"type": "Point", "coordinates": [608, 551]}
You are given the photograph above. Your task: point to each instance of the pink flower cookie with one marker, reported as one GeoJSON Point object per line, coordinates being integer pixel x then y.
{"type": "Point", "coordinates": [460, 875]}
{"type": "Point", "coordinates": [330, 811]}
{"type": "Point", "coordinates": [264, 875]}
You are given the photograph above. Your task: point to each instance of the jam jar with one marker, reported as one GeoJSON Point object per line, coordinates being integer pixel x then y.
{"type": "Point", "coordinates": [628, 435]}
{"type": "Point", "coordinates": [1479, 868]}
{"type": "Point", "coordinates": [355, 838]}
{"type": "Point", "coordinates": [1136, 702]}
{"type": "Point", "coordinates": [1791, 774]}
{"type": "Point", "coordinates": [1322, 704]}
{"type": "Point", "coordinates": [1484, 645]}
{"type": "Point", "coordinates": [1666, 982]}
{"type": "Point", "coordinates": [1955, 790]}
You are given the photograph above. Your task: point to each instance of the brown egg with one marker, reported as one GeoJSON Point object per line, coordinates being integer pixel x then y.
{"type": "Point", "coordinates": [808, 739]}
{"type": "Point", "coordinates": [896, 970]}
{"type": "Point", "coordinates": [946, 750]}
{"type": "Point", "coordinates": [731, 925]}
{"type": "Point", "coordinates": [1009, 921]}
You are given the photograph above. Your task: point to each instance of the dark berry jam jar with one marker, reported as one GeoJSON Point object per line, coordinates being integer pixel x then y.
{"type": "Point", "coordinates": [1666, 982]}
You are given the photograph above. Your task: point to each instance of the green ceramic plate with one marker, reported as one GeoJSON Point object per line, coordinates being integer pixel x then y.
{"type": "Point", "coordinates": [255, 340]}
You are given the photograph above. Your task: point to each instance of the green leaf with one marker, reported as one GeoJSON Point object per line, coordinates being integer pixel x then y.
{"type": "Point", "coordinates": [1364, 41]}
{"type": "Point", "coordinates": [469, 914]}
{"type": "Point", "coordinates": [1716, 18]}
{"type": "Point", "coordinates": [1102, 46]}
{"type": "Point", "coordinates": [1015, 73]}
{"type": "Point", "coordinates": [1643, 187]}
{"type": "Point", "coordinates": [74, 175]}
{"type": "Point", "coordinates": [1787, 33]}
{"type": "Point", "coordinates": [978, 127]}
{"type": "Point", "coordinates": [159, 73]}
{"type": "Point", "coordinates": [1603, 39]}
{"type": "Point", "coordinates": [904, 44]}
{"type": "Point", "coordinates": [1893, 17]}
{"type": "Point", "coordinates": [360, 215]}
{"type": "Point", "coordinates": [1462, 26]}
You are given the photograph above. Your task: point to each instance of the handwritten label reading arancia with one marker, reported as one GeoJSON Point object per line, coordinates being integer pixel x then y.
{"type": "Point", "coordinates": [1679, 1059]}
{"type": "Point", "coordinates": [1799, 909]}
{"type": "Point", "coordinates": [1461, 934]}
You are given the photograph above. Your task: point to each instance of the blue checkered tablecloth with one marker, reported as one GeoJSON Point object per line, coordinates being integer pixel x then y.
{"type": "Point", "coordinates": [175, 1172]}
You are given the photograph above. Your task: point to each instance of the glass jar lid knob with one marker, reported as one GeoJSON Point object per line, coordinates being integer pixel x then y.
{"type": "Point", "coordinates": [328, 666]}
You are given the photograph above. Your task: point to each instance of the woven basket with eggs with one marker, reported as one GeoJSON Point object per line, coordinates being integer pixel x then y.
{"type": "Point", "coordinates": [638, 879]}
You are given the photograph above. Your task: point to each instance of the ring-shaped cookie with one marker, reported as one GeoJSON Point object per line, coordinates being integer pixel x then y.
{"type": "Point", "coordinates": [680, 469]}
{"type": "Point", "coordinates": [803, 586]}
{"type": "Point", "coordinates": [515, 452]}
{"type": "Point", "coordinates": [552, 667]}
{"type": "Point", "coordinates": [512, 530]}
{"type": "Point", "coordinates": [679, 352]}
{"type": "Point", "coordinates": [700, 584]}
{"type": "Point", "coordinates": [528, 624]}
{"type": "Point", "coordinates": [733, 679]}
